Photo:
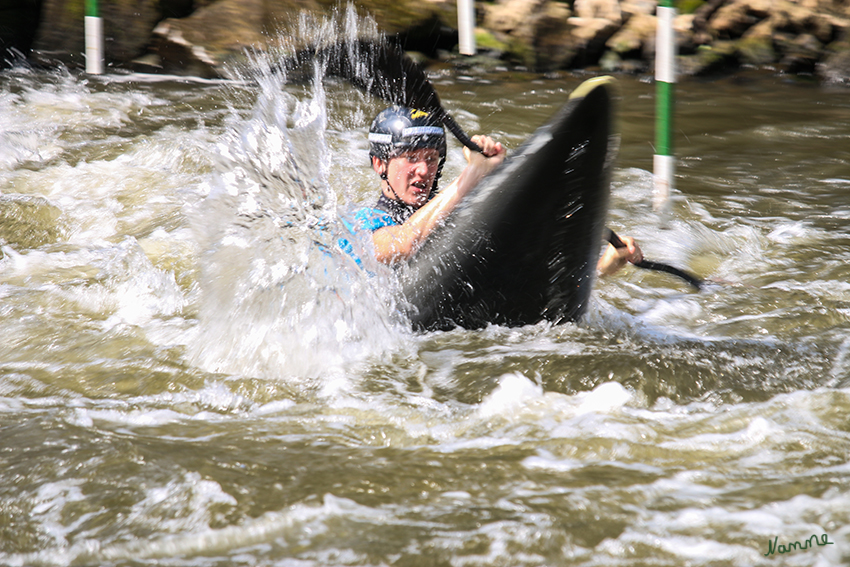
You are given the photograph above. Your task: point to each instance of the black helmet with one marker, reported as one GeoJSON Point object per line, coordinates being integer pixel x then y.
{"type": "Point", "coordinates": [397, 129]}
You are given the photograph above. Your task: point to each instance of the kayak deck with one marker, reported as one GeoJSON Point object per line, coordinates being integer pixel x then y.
{"type": "Point", "coordinates": [523, 245]}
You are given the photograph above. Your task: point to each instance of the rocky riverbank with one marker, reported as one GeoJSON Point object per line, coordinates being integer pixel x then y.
{"type": "Point", "coordinates": [202, 37]}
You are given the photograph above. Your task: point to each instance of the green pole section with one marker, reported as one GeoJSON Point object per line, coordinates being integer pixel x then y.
{"type": "Point", "coordinates": [664, 104]}
{"type": "Point", "coordinates": [665, 79]}
{"type": "Point", "coordinates": [91, 9]}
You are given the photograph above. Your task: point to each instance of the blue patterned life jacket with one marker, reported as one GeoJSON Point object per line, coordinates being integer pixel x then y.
{"type": "Point", "coordinates": [386, 212]}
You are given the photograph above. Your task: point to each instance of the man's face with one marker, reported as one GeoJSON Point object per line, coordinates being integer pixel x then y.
{"type": "Point", "coordinates": [411, 175]}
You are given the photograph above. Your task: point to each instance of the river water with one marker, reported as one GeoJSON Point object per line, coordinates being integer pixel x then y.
{"type": "Point", "coordinates": [192, 374]}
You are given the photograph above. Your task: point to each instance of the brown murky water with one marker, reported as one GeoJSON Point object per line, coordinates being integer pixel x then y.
{"type": "Point", "coordinates": [185, 380]}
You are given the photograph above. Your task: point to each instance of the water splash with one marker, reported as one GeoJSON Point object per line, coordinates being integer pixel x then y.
{"type": "Point", "coordinates": [279, 297]}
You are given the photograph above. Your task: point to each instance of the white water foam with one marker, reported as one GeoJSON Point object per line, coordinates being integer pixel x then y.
{"type": "Point", "coordinates": [278, 296]}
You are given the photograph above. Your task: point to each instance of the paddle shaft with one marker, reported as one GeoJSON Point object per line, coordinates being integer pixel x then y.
{"type": "Point", "coordinates": [615, 241]}
{"type": "Point", "coordinates": [380, 69]}
{"type": "Point", "coordinates": [458, 132]}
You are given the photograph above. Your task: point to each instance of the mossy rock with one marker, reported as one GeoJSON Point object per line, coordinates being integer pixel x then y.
{"type": "Point", "coordinates": [395, 16]}
{"type": "Point", "coordinates": [709, 60]}
{"type": "Point", "coordinates": [756, 51]}
{"type": "Point", "coordinates": [689, 6]}
{"type": "Point", "coordinates": [835, 68]}
{"type": "Point", "coordinates": [486, 41]}
{"type": "Point", "coordinates": [521, 52]}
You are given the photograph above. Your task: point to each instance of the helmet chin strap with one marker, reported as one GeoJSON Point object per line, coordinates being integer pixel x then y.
{"type": "Point", "coordinates": [387, 179]}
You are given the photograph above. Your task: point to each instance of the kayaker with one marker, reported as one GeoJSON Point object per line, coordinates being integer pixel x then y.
{"type": "Point", "coordinates": [407, 148]}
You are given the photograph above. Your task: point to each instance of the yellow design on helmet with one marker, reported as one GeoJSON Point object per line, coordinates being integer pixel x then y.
{"type": "Point", "coordinates": [414, 113]}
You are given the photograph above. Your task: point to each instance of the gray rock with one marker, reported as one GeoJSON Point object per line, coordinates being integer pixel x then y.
{"type": "Point", "coordinates": [211, 37]}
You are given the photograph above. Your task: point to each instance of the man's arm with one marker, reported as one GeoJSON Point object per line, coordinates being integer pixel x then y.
{"type": "Point", "coordinates": [400, 242]}
{"type": "Point", "coordinates": [615, 258]}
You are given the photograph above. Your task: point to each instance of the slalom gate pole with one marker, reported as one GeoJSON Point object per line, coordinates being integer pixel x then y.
{"type": "Point", "coordinates": [94, 39]}
{"type": "Point", "coordinates": [466, 26]}
{"type": "Point", "coordinates": [663, 162]}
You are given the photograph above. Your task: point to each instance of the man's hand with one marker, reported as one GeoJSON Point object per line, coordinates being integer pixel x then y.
{"type": "Point", "coordinates": [480, 164]}
{"type": "Point", "coordinates": [615, 258]}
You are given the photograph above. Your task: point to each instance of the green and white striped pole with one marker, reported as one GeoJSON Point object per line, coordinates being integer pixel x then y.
{"type": "Point", "coordinates": [664, 165]}
{"type": "Point", "coordinates": [94, 39]}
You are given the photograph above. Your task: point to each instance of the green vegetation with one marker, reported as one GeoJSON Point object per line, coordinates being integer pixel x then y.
{"type": "Point", "coordinates": [486, 40]}
{"type": "Point", "coordinates": [688, 6]}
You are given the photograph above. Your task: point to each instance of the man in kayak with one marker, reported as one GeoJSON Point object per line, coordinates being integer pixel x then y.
{"type": "Point", "coordinates": [407, 148]}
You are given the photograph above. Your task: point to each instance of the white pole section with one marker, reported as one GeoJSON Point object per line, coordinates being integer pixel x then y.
{"type": "Point", "coordinates": [466, 26]}
{"type": "Point", "coordinates": [664, 164]}
{"type": "Point", "coordinates": [94, 39]}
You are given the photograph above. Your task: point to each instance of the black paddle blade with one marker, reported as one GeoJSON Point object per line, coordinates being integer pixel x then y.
{"type": "Point", "coordinates": [615, 241]}
{"type": "Point", "coordinates": [382, 70]}
{"type": "Point", "coordinates": [696, 282]}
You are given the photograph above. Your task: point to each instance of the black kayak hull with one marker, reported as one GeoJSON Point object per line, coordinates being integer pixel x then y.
{"type": "Point", "coordinates": [523, 246]}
